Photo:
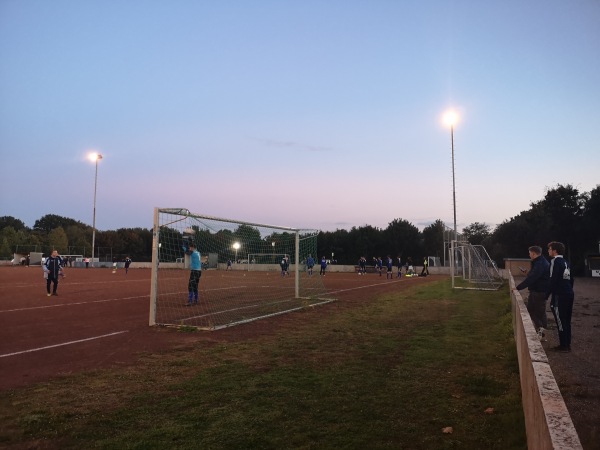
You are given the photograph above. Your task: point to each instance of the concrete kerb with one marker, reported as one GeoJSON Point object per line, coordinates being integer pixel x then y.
{"type": "Point", "coordinates": [547, 421]}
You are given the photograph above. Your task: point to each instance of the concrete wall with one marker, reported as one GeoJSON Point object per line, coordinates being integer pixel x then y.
{"type": "Point", "coordinates": [547, 420]}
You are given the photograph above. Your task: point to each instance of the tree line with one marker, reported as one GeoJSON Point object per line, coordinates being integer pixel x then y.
{"type": "Point", "coordinates": [564, 214]}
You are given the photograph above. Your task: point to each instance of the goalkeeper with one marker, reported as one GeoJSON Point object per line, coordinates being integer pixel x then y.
{"type": "Point", "coordinates": [195, 272]}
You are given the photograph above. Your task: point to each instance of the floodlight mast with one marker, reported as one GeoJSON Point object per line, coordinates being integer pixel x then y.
{"type": "Point", "coordinates": [450, 119]}
{"type": "Point", "coordinates": [94, 157]}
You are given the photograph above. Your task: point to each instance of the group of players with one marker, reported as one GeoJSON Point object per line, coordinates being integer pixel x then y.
{"type": "Point", "coordinates": [310, 264]}
{"type": "Point", "coordinates": [378, 264]}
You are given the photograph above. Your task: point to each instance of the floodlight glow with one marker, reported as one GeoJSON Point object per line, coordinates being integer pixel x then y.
{"type": "Point", "coordinates": [450, 118]}
{"type": "Point", "coordinates": [236, 245]}
{"type": "Point", "coordinates": [93, 157]}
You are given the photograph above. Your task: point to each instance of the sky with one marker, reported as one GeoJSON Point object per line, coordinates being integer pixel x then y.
{"type": "Point", "coordinates": [304, 114]}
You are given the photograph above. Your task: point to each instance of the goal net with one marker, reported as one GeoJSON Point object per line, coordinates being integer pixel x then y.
{"type": "Point", "coordinates": [473, 268]}
{"type": "Point", "coordinates": [265, 261]}
{"type": "Point", "coordinates": [229, 294]}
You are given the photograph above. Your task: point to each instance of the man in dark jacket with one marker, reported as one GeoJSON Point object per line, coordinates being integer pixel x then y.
{"type": "Point", "coordinates": [52, 267]}
{"type": "Point", "coordinates": [561, 290]}
{"type": "Point", "coordinates": [537, 282]}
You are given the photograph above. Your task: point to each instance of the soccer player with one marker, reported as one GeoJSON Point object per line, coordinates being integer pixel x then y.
{"type": "Point", "coordinates": [284, 266]}
{"type": "Point", "coordinates": [52, 269]}
{"type": "Point", "coordinates": [362, 266]}
{"type": "Point", "coordinates": [389, 266]}
{"type": "Point", "coordinates": [127, 264]}
{"type": "Point", "coordinates": [310, 263]}
{"type": "Point", "coordinates": [323, 266]}
{"type": "Point", "coordinates": [425, 270]}
{"type": "Point", "coordinates": [195, 273]}
{"type": "Point", "coordinates": [399, 275]}
{"type": "Point", "coordinates": [379, 265]}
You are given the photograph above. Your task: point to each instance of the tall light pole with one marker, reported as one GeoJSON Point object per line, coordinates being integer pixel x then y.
{"type": "Point", "coordinates": [450, 119]}
{"type": "Point", "coordinates": [236, 246]}
{"type": "Point", "coordinates": [94, 157]}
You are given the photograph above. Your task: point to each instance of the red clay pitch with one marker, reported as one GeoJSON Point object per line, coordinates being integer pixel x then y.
{"type": "Point", "coordinates": [100, 319]}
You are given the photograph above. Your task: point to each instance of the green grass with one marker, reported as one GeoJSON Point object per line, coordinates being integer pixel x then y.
{"type": "Point", "coordinates": [388, 374]}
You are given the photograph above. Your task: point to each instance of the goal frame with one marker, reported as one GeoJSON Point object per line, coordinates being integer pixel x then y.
{"type": "Point", "coordinates": [182, 214]}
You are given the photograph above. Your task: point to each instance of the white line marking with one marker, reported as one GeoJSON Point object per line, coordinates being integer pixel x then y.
{"type": "Point", "coordinates": [64, 343]}
{"type": "Point", "coordinates": [77, 303]}
{"type": "Point", "coordinates": [362, 287]}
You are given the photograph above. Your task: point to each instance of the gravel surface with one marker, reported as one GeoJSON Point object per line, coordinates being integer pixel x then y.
{"type": "Point", "coordinates": [578, 373]}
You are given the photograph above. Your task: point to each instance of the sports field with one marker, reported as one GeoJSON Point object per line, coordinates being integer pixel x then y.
{"type": "Point", "coordinates": [406, 363]}
{"type": "Point", "coordinates": [100, 319]}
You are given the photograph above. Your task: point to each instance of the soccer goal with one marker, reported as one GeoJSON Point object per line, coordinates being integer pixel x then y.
{"type": "Point", "coordinates": [473, 268]}
{"type": "Point", "coordinates": [229, 297]}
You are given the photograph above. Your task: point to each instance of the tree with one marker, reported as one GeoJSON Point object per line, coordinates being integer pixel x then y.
{"type": "Point", "coordinates": [79, 243]}
{"type": "Point", "coordinates": [10, 221]}
{"type": "Point", "coordinates": [590, 226]}
{"type": "Point", "coordinates": [403, 238]}
{"type": "Point", "coordinates": [364, 241]}
{"type": "Point", "coordinates": [51, 221]}
{"type": "Point", "coordinates": [57, 239]}
{"type": "Point", "coordinates": [433, 239]}
{"type": "Point", "coordinates": [476, 233]}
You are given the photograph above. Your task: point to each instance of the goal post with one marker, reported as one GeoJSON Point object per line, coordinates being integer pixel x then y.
{"type": "Point", "coordinates": [473, 268]}
{"type": "Point", "coordinates": [229, 297]}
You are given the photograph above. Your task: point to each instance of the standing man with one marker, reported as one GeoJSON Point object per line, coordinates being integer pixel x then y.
{"type": "Point", "coordinates": [127, 264]}
{"type": "Point", "coordinates": [195, 273]}
{"type": "Point", "coordinates": [284, 266]}
{"type": "Point", "coordinates": [310, 263]}
{"type": "Point", "coordinates": [323, 266]}
{"type": "Point", "coordinates": [537, 282]}
{"type": "Point", "coordinates": [425, 270]}
{"type": "Point", "coordinates": [362, 266]}
{"type": "Point", "coordinates": [561, 290]}
{"type": "Point", "coordinates": [52, 267]}
{"type": "Point", "coordinates": [389, 266]}
{"type": "Point", "coordinates": [399, 275]}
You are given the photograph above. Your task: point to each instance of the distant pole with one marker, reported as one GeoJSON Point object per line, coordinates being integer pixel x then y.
{"type": "Point", "coordinates": [453, 180]}
{"type": "Point", "coordinates": [450, 118]}
{"type": "Point", "coordinates": [96, 157]}
{"type": "Point", "coordinates": [452, 261]}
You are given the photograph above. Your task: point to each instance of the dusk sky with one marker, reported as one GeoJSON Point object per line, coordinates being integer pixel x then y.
{"type": "Point", "coordinates": [309, 114]}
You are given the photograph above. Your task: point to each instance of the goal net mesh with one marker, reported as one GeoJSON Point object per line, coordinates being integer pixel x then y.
{"type": "Point", "coordinates": [229, 292]}
{"type": "Point", "coordinates": [474, 269]}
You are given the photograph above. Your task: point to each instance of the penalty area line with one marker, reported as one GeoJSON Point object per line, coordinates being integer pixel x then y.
{"type": "Point", "coordinates": [63, 344]}
{"type": "Point", "coordinates": [362, 287]}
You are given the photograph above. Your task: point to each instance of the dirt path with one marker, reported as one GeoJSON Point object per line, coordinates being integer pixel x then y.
{"type": "Point", "coordinates": [578, 373]}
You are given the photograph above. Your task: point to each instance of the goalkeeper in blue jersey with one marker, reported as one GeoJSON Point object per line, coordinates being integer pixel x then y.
{"type": "Point", "coordinates": [195, 272]}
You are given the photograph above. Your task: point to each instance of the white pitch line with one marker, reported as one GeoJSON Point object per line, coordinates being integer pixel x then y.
{"type": "Point", "coordinates": [362, 287]}
{"type": "Point", "coordinates": [72, 304]}
{"type": "Point", "coordinates": [64, 343]}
